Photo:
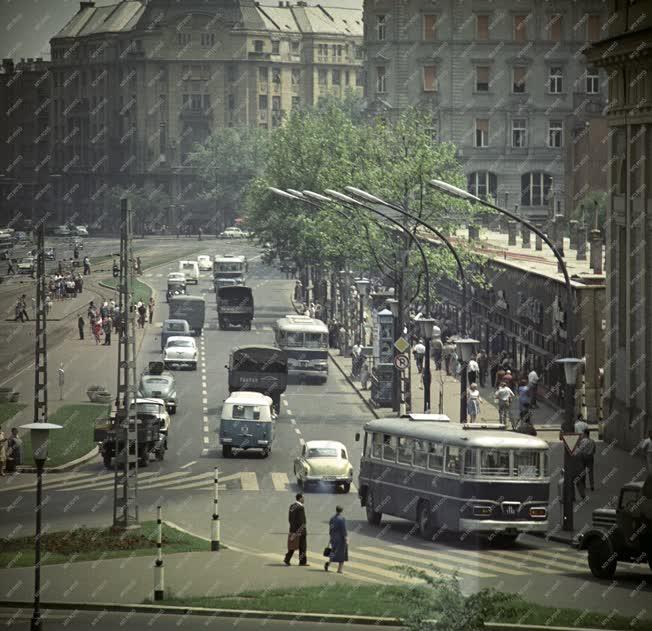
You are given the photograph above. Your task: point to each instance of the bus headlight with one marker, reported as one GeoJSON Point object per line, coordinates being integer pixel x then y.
{"type": "Point", "coordinates": [538, 512]}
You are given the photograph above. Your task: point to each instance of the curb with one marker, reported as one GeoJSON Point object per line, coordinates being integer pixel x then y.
{"type": "Point", "coordinates": [366, 401]}
{"type": "Point", "coordinates": [64, 467]}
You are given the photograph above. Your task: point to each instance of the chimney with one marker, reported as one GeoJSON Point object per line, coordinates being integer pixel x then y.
{"type": "Point", "coordinates": [8, 65]}
{"type": "Point", "coordinates": [595, 239]}
{"type": "Point", "coordinates": [511, 232]}
{"type": "Point", "coordinates": [86, 5]}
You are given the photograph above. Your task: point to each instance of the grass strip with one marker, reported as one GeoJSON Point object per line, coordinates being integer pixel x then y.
{"type": "Point", "coordinates": [90, 544]}
{"type": "Point", "coordinates": [392, 602]}
{"type": "Point", "coordinates": [141, 291]}
{"type": "Point", "coordinates": [9, 410]}
{"type": "Point", "coordinates": [74, 440]}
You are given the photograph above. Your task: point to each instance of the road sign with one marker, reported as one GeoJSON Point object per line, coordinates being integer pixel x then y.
{"type": "Point", "coordinates": [401, 362]}
{"type": "Point", "coordinates": [571, 441]}
{"type": "Point", "coordinates": [401, 344]}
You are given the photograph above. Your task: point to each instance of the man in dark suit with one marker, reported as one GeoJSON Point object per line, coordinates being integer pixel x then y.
{"type": "Point", "coordinates": [297, 519]}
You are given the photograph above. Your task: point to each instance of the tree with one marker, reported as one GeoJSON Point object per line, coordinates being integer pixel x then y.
{"type": "Point", "coordinates": [585, 209]}
{"type": "Point", "coordinates": [150, 206]}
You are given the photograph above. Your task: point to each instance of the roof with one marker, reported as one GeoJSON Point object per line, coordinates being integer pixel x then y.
{"type": "Point", "coordinates": [247, 397]}
{"type": "Point", "coordinates": [296, 323]}
{"type": "Point", "coordinates": [328, 20]}
{"type": "Point", "coordinates": [324, 443]}
{"type": "Point", "coordinates": [455, 434]}
{"type": "Point", "coordinates": [187, 298]}
{"type": "Point", "coordinates": [255, 347]}
{"type": "Point", "coordinates": [113, 18]}
{"type": "Point", "coordinates": [230, 258]}
{"type": "Point", "coordinates": [175, 321]}
{"type": "Point", "coordinates": [172, 338]}
{"type": "Point", "coordinates": [149, 400]}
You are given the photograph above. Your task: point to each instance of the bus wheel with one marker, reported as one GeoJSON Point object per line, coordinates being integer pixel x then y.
{"type": "Point", "coordinates": [424, 523]}
{"type": "Point", "coordinates": [226, 451]}
{"type": "Point", "coordinates": [602, 562]}
{"type": "Point", "coordinates": [373, 516]}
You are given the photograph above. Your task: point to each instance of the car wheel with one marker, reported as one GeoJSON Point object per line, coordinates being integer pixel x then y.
{"type": "Point", "coordinates": [602, 562]}
{"type": "Point", "coordinates": [373, 516]}
{"type": "Point", "coordinates": [266, 452]}
{"type": "Point", "coordinates": [227, 451]}
{"type": "Point", "coordinates": [424, 522]}
{"type": "Point", "coordinates": [347, 487]}
{"type": "Point", "coordinates": [107, 461]}
{"type": "Point", "coordinates": [301, 484]}
{"type": "Point", "coordinates": [143, 459]}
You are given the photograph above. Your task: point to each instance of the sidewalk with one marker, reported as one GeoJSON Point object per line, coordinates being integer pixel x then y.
{"type": "Point", "coordinates": [613, 466]}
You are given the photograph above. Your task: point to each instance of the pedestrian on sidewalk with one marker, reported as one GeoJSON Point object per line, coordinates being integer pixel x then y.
{"type": "Point", "coordinates": [87, 266]}
{"type": "Point", "coordinates": [508, 378]}
{"type": "Point", "coordinates": [339, 541]}
{"type": "Point", "coordinates": [298, 535]}
{"type": "Point", "coordinates": [503, 397]}
{"type": "Point", "coordinates": [473, 400]}
{"type": "Point", "coordinates": [523, 400]}
{"type": "Point", "coordinates": [10, 268]}
{"type": "Point", "coordinates": [483, 366]}
{"type": "Point", "coordinates": [14, 450]}
{"type": "Point", "coordinates": [364, 374]}
{"type": "Point", "coordinates": [448, 352]}
{"type": "Point", "coordinates": [533, 384]}
{"type": "Point", "coordinates": [150, 308]}
{"type": "Point", "coordinates": [586, 453]}
{"type": "Point", "coordinates": [138, 265]}
{"type": "Point", "coordinates": [437, 352]}
{"type": "Point", "coordinates": [473, 370]}
{"type": "Point", "coordinates": [419, 352]}
{"type": "Point", "coordinates": [18, 311]}
{"type": "Point", "coordinates": [23, 302]}
{"type": "Point", "coordinates": [107, 325]}
{"type": "Point", "coordinates": [580, 424]}
{"type": "Point", "coordinates": [97, 330]}
{"type": "Point", "coordinates": [646, 450]}
{"type": "Point", "coordinates": [3, 453]}
{"type": "Point", "coordinates": [142, 311]}
{"type": "Point", "coordinates": [356, 360]}
{"type": "Point", "coordinates": [80, 326]}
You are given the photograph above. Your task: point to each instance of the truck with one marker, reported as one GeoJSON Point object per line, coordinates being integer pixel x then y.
{"type": "Point", "coordinates": [622, 534]}
{"type": "Point", "coordinates": [192, 309]}
{"type": "Point", "coordinates": [235, 306]}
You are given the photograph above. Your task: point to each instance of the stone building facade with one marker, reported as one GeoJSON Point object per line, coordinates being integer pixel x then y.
{"type": "Point", "coordinates": [135, 84]}
{"type": "Point", "coordinates": [504, 82]}
{"type": "Point", "coordinates": [626, 56]}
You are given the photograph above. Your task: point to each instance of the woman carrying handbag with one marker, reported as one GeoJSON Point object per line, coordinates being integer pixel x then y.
{"type": "Point", "coordinates": [338, 551]}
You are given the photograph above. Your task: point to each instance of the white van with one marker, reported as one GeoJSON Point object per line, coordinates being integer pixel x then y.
{"type": "Point", "coordinates": [247, 422]}
{"type": "Point", "coordinates": [191, 270]}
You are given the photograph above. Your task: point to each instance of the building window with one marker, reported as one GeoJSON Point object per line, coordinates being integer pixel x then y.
{"type": "Point", "coordinates": [296, 102]}
{"type": "Point", "coordinates": [295, 47]}
{"type": "Point", "coordinates": [206, 98]}
{"type": "Point", "coordinates": [322, 51]}
{"type": "Point", "coordinates": [231, 102]}
{"type": "Point", "coordinates": [518, 80]}
{"type": "Point", "coordinates": [535, 188]}
{"type": "Point", "coordinates": [276, 103]}
{"type": "Point", "coordinates": [593, 30]}
{"type": "Point", "coordinates": [276, 75]}
{"type": "Point", "coordinates": [430, 78]}
{"type": "Point", "coordinates": [231, 73]}
{"type": "Point", "coordinates": [296, 76]}
{"type": "Point", "coordinates": [347, 78]}
{"type": "Point", "coordinates": [336, 77]}
{"type": "Point", "coordinates": [276, 47]}
{"type": "Point", "coordinates": [381, 23]}
{"type": "Point", "coordinates": [554, 28]}
{"type": "Point", "coordinates": [207, 39]}
{"type": "Point", "coordinates": [483, 184]}
{"type": "Point", "coordinates": [263, 74]}
{"type": "Point", "coordinates": [359, 52]}
{"type": "Point", "coordinates": [262, 102]}
{"type": "Point", "coordinates": [322, 77]}
{"type": "Point", "coordinates": [195, 102]}
{"type": "Point", "coordinates": [381, 79]}
{"type": "Point", "coordinates": [520, 28]}
{"type": "Point", "coordinates": [519, 133]}
{"type": "Point", "coordinates": [482, 27]}
{"type": "Point", "coordinates": [555, 133]}
{"type": "Point", "coordinates": [592, 81]}
{"type": "Point", "coordinates": [481, 132]}
{"type": "Point", "coordinates": [259, 45]}
{"type": "Point", "coordinates": [359, 79]}
{"type": "Point", "coordinates": [482, 78]}
{"type": "Point", "coordinates": [184, 38]}
{"type": "Point", "coordinates": [555, 80]}
{"type": "Point", "coordinates": [429, 25]}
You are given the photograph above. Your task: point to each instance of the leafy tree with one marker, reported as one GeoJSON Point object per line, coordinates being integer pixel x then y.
{"type": "Point", "coordinates": [150, 206]}
{"type": "Point", "coordinates": [585, 209]}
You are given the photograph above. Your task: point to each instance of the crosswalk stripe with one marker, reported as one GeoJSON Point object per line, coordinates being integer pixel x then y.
{"type": "Point", "coordinates": [372, 569]}
{"type": "Point", "coordinates": [200, 481]}
{"type": "Point", "coordinates": [556, 559]}
{"type": "Point", "coordinates": [249, 481]}
{"type": "Point", "coordinates": [48, 482]}
{"type": "Point", "coordinates": [280, 481]}
{"type": "Point", "coordinates": [568, 555]}
{"type": "Point", "coordinates": [104, 487]}
{"type": "Point", "coordinates": [77, 485]}
{"type": "Point", "coordinates": [546, 563]}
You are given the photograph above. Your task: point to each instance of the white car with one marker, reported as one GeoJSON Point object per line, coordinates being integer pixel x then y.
{"type": "Point", "coordinates": [81, 231]}
{"type": "Point", "coordinates": [26, 265]}
{"type": "Point", "coordinates": [205, 263]}
{"type": "Point", "coordinates": [62, 231]}
{"type": "Point", "coordinates": [191, 270]}
{"type": "Point", "coordinates": [323, 462]}
{"type": "Point", "coordinates": [232, 233]}
{"type": "Point", "coordinates": [180, 350]}
{"type": "Point", "coordinates": [177, 276]}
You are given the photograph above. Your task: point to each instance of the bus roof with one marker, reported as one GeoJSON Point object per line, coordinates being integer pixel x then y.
{"type": "Point", "coordinates": [229, 258]}
{"type": "Point", "coordinates": [454, 433]}
{"type": "Point", "coordinates": [252, 347]}
{"type": "Point", "coordinates": [301, 324]}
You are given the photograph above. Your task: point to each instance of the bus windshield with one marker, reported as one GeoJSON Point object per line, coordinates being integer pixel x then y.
{"type": "Point", "coordinates": [259, 360]}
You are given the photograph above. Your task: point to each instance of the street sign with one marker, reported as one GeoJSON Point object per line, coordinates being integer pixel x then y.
{"type": "Point", "coordinates": [401, 362]}
{"type": "Point", "coordinates": [570, 441]}
{"type": "Point", "coordinates": [401, 345]}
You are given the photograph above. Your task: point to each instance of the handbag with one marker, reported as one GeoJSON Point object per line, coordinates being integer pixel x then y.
{"type": "Point", "coordinates": [327, 551]}
{"type": "Point", "coordinates": [293, 541]}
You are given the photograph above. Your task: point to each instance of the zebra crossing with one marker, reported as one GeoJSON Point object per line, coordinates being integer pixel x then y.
{"type": "Point", "coordinates": [182, 480]}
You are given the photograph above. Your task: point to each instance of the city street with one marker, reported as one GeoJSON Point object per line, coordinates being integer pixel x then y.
{"type": "Point", "coordinates": [255, 492]}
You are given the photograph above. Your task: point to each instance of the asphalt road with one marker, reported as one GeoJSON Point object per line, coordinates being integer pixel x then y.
{"type": "Point", "coordinates": [255, 492]}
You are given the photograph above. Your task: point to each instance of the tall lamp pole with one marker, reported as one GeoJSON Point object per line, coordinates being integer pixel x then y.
{"type": "Point", "coordinates": [362, 285]}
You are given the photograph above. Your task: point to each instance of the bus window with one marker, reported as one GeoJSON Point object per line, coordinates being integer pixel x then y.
{"type": "Point", "coordinates": [436, 457]}
{"type": "Point", "coordinates": [389, 447]}
{"type": "Point", "coordinates": [494, 462]}
{"type": "Point", "coordinates": [453, 459]}
{"type": "Point", "coordinates": [526, 464]}
{"type": "Point", "coordinates": [294, 340]}
{"type": "Point", "coordinates": [315, 340]}
{"type": "Point", "coordinates": [366, 445]}
{"type": "Point", "coordinates": [377, 445]}
{"type": "Point", "coordinates": [405, 450]}
{"type": "Point", "coordinates": [420, 453]}
{"type": "Point", "coordinates": [470, 462]}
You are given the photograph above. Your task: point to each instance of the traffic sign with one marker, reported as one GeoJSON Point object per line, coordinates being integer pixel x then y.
{"type": "Point", "coordinates": [401, 344]}
{"type": "Point", "coordinates": [401, 362]}
{"type": "Point", "coordinates": [571, 441]}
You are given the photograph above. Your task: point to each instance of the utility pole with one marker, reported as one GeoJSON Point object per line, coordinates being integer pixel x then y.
{"type": "Point", "coordinates": [125, 485]}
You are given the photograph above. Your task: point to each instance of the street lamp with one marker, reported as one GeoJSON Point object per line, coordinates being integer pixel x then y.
{"type": "Point", "coordinates": [394, 306]}
{"type": "Point", "coordinates": [465, 348]}
{"type": "Point", "coordinates": [362, 285]}
{"type": "Point", "coordinates": [570, 365]}
{"type": "Point", "coordinates": [40, 436]}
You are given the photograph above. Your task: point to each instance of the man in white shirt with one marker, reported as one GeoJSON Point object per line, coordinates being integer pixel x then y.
{"type": "Point", "coordinates": [473, 370]}
{"type": "Point", "coordinates": [533, 385]}
{"type": "Point", "coordinates": [580, 425]}
{"type": "Point", "coordinates": [419, 351]}
{"type": "Point", "coordinates": [504, 396]}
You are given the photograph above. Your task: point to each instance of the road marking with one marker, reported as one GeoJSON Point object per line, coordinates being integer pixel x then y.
{"type": "Point", "coordinates": [103, 486]}
{"type": "Point", "coordinates": [204, 401]}
{"type": "Point", "coordinates": [289, 411]}
{"type": "Point", "coordinates": [500, 559]}
{"type": "Point", "coordinates": [280, 481]}
{"type": "Point", "coordinates": [206, 440]}
{"type": "Point", "coordinates": [49, 482]}
{"type": "Point", "coordinates": [185, 466]}
{"type": "Point", "coordinates": [297, 430]}
{"type": "Point", "coordinates": [249, 481]}
{"type": "Point", "coordinates": [293, 421]}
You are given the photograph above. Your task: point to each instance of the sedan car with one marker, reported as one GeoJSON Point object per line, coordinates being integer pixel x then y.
{"type": "Point", "coordinates": [180, 350]}
{"type": "Point", "coordinates": [81, 231]}
{"type": "Point", "coordinates": [159, 386]}
{"type": "Point", "coordinates": [26, 265]}
{"type": "Point", "coordinates": [323, 462]}
{"type": "Point", "coordinates": [50, 254]}
{"type": "Point", "coordinates": [205, 263]}
{"type": "Point", "coordinates": [232, 233]}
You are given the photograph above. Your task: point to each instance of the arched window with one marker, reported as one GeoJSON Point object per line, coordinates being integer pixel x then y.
{"type": "Point", "coordinates": [535, 188]}
{"type": "Point", "coordinates": [482, 183]}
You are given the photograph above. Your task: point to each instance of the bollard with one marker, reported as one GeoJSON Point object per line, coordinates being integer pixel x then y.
{"type": "Point", "coordinates": [215, 524]}
{"type": "Point", "coordinates": [159, 578]}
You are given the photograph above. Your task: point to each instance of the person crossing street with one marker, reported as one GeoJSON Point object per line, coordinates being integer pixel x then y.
{"type": "Point", "coordinates": [298, 535]}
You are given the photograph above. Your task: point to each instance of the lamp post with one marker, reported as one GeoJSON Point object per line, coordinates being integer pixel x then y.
{"type": "Point", "coordinates": [465, 348]}
{"type": "Point", "coordinates": [570, 373]}
{"type": "Point", "coordinates": [362, 285]}
{"type": "Point", "coordinates": [394, 307]}
{"type": "Point", "coordinates": [426, 328]}
{"type": "Point", "coordinates": [40, 436]}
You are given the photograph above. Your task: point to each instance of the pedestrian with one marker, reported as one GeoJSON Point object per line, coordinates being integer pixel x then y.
{"type": "Point", "coordinates": [580, 424]}
{"type": "Point", "coordinates": [107, 324]}
{"type": "Point", "coordinates": [142, 312]}
{"type": "Point", "coordinates": [3, 452]}
{"type": "Point", "coordinates": [18, 312]}
{"type": "Point", "coordinates": [586, 454]}
{"type": "Point", "coordinates": [483, 366]}
{"type": "Point", "coordinates": [150, 308]}
{"type": "Point", "coordinates": [364, 374]}
{"type": "Point", "coordinates": [298, 535]}
{"type": "Point", "coordinates": [97, 330]}
{"type": "Point", "coordinates": [10, 268]}
{"type": "Point", "coordinates": [23, 303]}
{"type": "Point", "coordinates": [503, 396]}
{"type": "Point", "coordinates": [75, 253]}
{"type": "Point", "coordinates": [14, 450]}
{"type": "Point", "coordinates": [356, 360]}
{"type": "Point", "coordinates": [339, 541]}
{"type": "Point", "coordinates": [419, 351]}
{"type": "Point", "coordinates": [473, 401]}
{"type": "Point", "coordinates": [533, 384]}
{"type": "Point", "coordinates": [87, 266]}
{"type": "Point", "coordinates": [526, 427]}
{"type": "Point", "coordinates": [508, 378]}
{"type": "Point", "coordinates": [448, 352]}
{"type": "Point", "coordinates": [437, 352]}
{"type": "Point", "coordinates": [138, 267]}
{"type": "Point", "coordinates": [341, 338]}
{"type": "Point", "coordinates": [646, 450]}
{"type": "Point", "coordinates": [473, 370]}
{"type": "Point", "coordinates": [80, 326]}
{"type": "Point", "coordinates": [523, 400]}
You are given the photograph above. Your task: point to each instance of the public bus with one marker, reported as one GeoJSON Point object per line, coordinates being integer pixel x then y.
{"type": "Point", "coordinates": [229, 269]}
{"type": "Point", "coordinates": [305, 340]}
{"type": "Point", "coordinates": [456, 477]}
{"type": "Point", "coordinates": [259, 368]}
{"type": "Point", "coordinates": [6, 242]}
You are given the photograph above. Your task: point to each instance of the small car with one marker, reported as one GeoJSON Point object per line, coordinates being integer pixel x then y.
{"type": "Point", "coordinates": [81, 231]}
{"type": "Point", "coordinates": [232, 233]}
{"type": "Point", "coordinates": [191, 271]}
{"type": "Point", "coordinates": [323, 462]}
{"type": "Point", "coordinates": [205, 263]}
{"type": "Point", "coordinates": [155, 407]}
{"type": "Point", "coordinates": [50, 254]}
{"type": "Point", "coordinates": [62, 231]}
{"type": "Point", "coordinates": [26, 265]}
{"type": "Point", "coordinates": [159, 386]}
{"type": "Point", "coordinates": [180, 350]}
{"type": "Point", "coordinates": [172, 327]}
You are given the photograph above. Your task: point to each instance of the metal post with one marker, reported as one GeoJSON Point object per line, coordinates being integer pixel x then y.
{"type": "Point", "coordinates": [159, 575]}
{"type": "Point", "coordinates": [125, 485]}
{"type": "Point", "coordinates": [362, 331]}
{"type": "Point", "coordinates": [426, 375]}
{"type": "Point", "coordinates": [36, 615]}
{"type": "Point", "coordinates": [215, 524]}
{"type": "Point", "coordinates": [463, 386]}
{"type": "Point", "coordinates": [569, 468]}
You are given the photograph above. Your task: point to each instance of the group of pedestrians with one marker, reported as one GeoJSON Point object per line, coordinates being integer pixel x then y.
{"type": "Point", "coordinates": [11, 451]}
{"type": "Point", "coordinates": [337, 550]}
{"type": "Point", "coordinates": [106, 318]}
{"type": "Point", "coordinates": [68, 285]}
{"type": "Point", "coordinates": [20, 309]}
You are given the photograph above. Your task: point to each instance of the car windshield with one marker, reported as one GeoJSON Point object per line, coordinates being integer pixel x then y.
{"type": "Point", "coordinates": [148, 408]}
{"type": "Point", "coordinates": [186, 343]}
{"type": "Point", "coordinates": [322, 452]}
{"type": "Point", "coordinates": [155, 381]}
{"type": "Point", "coordinates": [175, 326]}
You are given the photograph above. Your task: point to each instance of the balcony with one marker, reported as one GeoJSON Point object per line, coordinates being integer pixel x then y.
{"type": "Point", "coordinates": [588, 103]}
{"type": "Point", "coordinates": [259, 55]}
{"type": "Point", "coordinates": [188, 114]}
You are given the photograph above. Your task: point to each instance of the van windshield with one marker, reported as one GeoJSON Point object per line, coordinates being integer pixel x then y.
{"type": "Point", "coordinates": [249, 412]}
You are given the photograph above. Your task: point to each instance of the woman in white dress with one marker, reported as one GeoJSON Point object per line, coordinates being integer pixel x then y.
{"type": "Point", "coordinates": [473, 401]}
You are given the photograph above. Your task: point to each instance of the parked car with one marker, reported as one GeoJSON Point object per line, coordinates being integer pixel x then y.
{"type": "Point", "coordinates": [80, 231]}
{"type": "Point", "coordinates": [50, 254]}
{"type": "Point", "coordinates": [232, 233]}
{"type": "Point", "coordinates": [180, 350]}
{"type": "Point", "coordinates": [26, 265]}
{"type": "Point", "coordinates": [159, 383]}
{"type": "Point", "coordinates": [323, 462]}
{"type": "Point", "coordinates": [62, 231]}
{"type": "Point", "coordinates": [205, 263]}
